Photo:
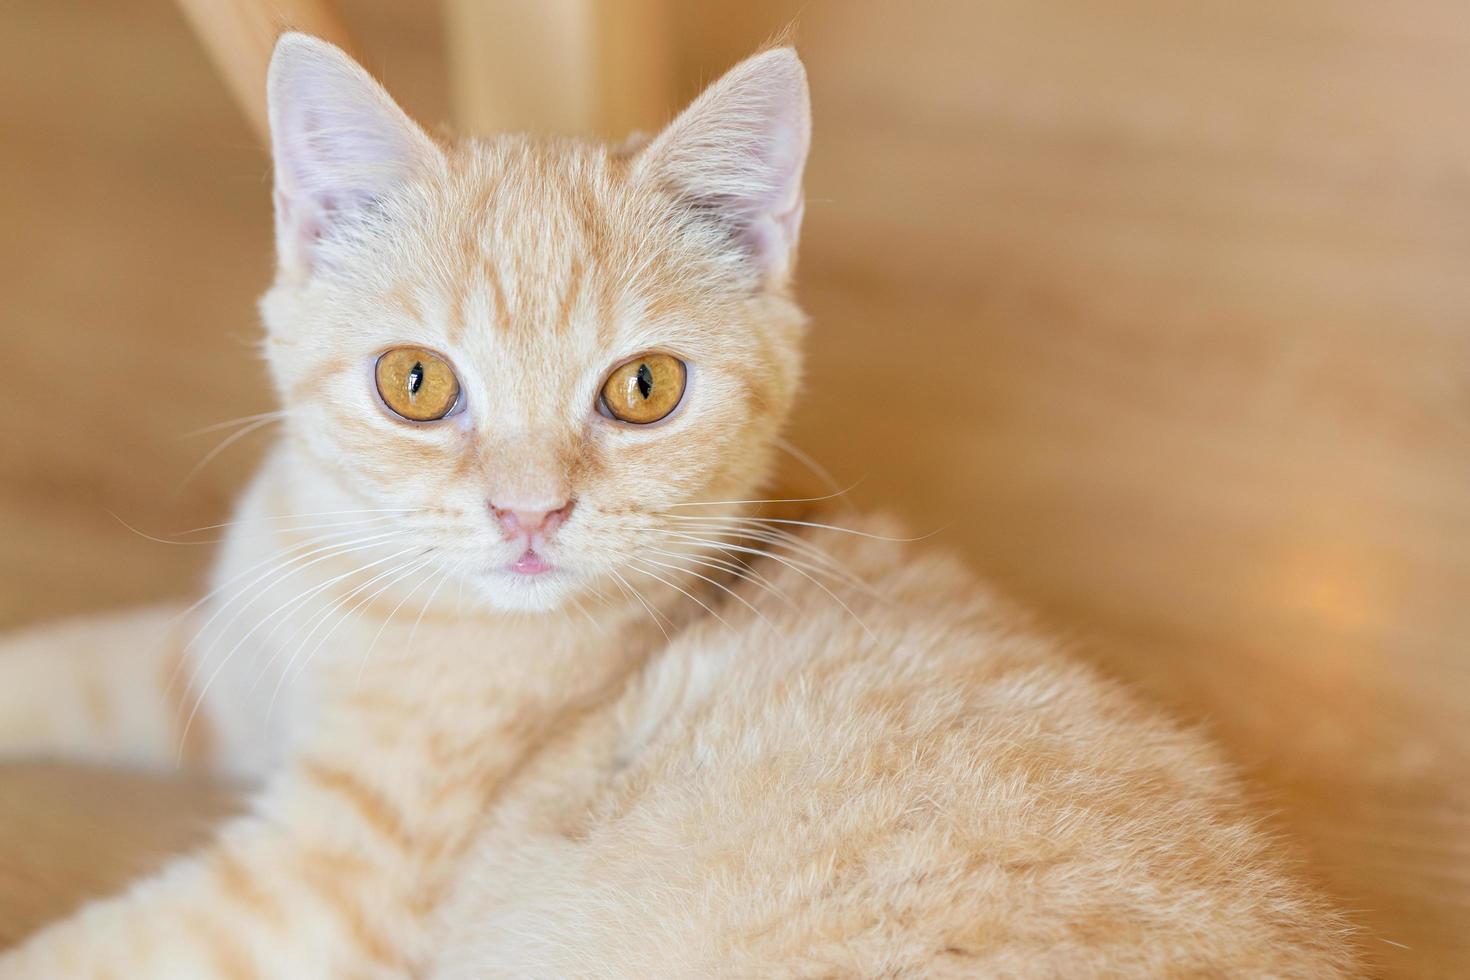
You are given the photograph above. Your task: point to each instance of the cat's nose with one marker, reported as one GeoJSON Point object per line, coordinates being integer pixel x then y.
{"type": "Point", "coordinates": [521, 521]}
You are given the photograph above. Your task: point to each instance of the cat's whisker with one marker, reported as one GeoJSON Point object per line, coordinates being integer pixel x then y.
{"type": "Point", "coordinates": [600, 596]}
{"type": "Point", "coordinates": [219, 667]}
{"type": "Point", "coordinates": [770, 500]}
{"type": "Point", "coordinates": [362, 667]}
{"type": "Point", "coordinates": [628, 588]}
{"type": "Point", "coordinates": [814, 553]}
{"type": "Point", "coordinates": [281, 614]}
{"type": "Point", "coordinates": [231, 423]}
{"type": "Point", "coordinates": [384, 511]}
{"type": "Point", "coordinates": [812, 524]}
{"type": "Point", "coordinates": [596, 623]}
{"type": "Point", "coordinates": [425, 607]}
{"type": "Point", "coordinates": [391, 573]}
{"type": "Point", "coordinates": [816, 561]}
{"type": "Point", "coordinates": [277, 558]}
{"type": "Point", "coordinates": [781, 537]}
{"type": "Point", "coordinates": [730, 543]}
{"type": "Point", "coordinates": [250, 593]}
{"type": "Point", "coordinates": [724, 588]}
{"type": "Point", "coordinates": [237, 536]}
{"type": "Point", "coordinates": [767, 531]}
{"type": "Point", "coordinates": [657, 577]}
{"type": "Point", "coordinates": [794, 567]}
{"type": "Point", "coordinates": [316, 619]}
{"type": "Point", "coordinates": [151, 537]}
{"type": "Point", "coordinates": [224, 444]}
{"type": "Point", "coordinates": [801, 456]}
{"type": "Point", "coordinates": [290, 567]}
{"type": "Point", "coordinates": [203, 659]}
{"type": "Point", "coordinates": [740, 570]}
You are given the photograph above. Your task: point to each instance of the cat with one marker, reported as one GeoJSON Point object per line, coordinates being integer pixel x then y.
{"type": "Point", "coordinates": [535, 683]}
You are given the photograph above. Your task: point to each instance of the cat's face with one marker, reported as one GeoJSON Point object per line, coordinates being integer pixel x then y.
{"type": "Point", "coordinates": [535, 348]}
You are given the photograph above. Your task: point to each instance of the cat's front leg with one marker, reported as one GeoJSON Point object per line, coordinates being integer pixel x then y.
{"type": "Point", "coordinates": [111, 689]}
{"type": "Point", "coordinates": [337, 871]}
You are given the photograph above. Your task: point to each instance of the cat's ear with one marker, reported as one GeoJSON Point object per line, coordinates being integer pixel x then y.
{"type": "Point", "coordinates": [738, 153]}
{"type": "Point", "coordinates": [339, 143]}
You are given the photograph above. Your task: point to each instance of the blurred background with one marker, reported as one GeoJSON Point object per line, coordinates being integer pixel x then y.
{"type": "Point", "coordinates": [1161, 310]}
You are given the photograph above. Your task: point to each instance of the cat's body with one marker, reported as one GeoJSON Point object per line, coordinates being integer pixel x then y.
{"type": "Point", "coordinates": [534, 691]}
{"type": "Point", "coordinates": [914, 786]}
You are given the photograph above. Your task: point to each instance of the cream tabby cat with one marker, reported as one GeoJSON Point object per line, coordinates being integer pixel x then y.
{"type": "Point", "coordinates": [534, 690]}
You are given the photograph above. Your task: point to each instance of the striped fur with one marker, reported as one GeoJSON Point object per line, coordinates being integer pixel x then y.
{"type": "Point", "coordinates": [715, 742]}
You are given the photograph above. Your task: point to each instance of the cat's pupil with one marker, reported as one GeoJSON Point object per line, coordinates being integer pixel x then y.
{"type": "Point", "coordinates": [645, 380]}
{"type": "Point", "coordinates": [415, 378]}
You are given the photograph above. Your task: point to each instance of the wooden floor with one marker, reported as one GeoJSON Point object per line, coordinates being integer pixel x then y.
{"type": "Point", "coordinates": [1187, 286]}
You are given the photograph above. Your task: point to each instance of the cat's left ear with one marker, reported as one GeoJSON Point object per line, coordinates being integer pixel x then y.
{"type": "Point", "coordinates": [738, 153]}
{"type": "Point", "coordinates": [339, 143]}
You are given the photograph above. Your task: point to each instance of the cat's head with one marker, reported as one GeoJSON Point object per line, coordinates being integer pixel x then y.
{"type": "Point", "coordinates": [534, 347]}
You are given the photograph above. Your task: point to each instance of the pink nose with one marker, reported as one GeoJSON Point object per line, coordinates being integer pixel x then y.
{"type": "Point", "coordinates": [525, 522]}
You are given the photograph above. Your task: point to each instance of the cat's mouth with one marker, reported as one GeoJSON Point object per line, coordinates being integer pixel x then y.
{"type": "Point", "coordinates": [530, 563]}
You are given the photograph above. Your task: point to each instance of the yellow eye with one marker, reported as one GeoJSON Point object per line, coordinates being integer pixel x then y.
{"type": "Point", "coordinates": [644, 389]}
{"type": "Point", "coordinates": [417, 384]}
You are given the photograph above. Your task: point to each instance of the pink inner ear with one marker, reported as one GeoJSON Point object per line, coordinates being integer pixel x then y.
{"type": "Point", "coordinates": [338, 140]}
{"type": "Point", "coordinates": [302, 223]}
{"type": "Point", "coordinates": [739, 151]}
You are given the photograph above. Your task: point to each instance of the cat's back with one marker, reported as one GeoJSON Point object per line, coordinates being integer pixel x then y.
{"type": "Point", "coordinates": [897, 782]}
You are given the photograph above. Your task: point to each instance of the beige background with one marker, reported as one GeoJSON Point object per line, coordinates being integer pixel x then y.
{"type": "Point", "coordinates": [1161, 311]}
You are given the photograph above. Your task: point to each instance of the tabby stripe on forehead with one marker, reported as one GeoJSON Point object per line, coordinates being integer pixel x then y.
{"type": "Point", "coordinates": [501, 312]}
{"type": "Point", "coordinates": [605, 314]}
{"type": "Point", "coordinates": [563, 322]}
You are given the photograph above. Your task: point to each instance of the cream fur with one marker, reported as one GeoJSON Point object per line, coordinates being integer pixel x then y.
{"type": "Point", "coordinates": [717, 740]}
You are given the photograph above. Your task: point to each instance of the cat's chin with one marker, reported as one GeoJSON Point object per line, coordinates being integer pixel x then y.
{"type": "Point", "coordinates": [511, 591]}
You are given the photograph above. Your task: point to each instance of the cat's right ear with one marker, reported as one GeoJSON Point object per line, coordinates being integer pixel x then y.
{"type": "Point", "coordinates": [339, 143]}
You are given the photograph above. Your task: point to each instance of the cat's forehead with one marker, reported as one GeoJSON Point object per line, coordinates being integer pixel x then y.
{"type": "Point", "coordinates": [529, 245]}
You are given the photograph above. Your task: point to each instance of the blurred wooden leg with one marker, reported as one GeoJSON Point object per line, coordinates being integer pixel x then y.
{"type": "Point", "coordinates": [239, 35]}
{"type": "Point", "coordinates": [588, 67]}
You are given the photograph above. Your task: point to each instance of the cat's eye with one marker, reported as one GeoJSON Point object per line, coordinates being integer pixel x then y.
{"type": "Point", "coordinates": [644, 389]}
{"type": "Point", "coordinates": [416, 384]}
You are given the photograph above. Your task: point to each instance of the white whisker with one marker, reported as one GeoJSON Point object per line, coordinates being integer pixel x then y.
{"type": "Point", "coordinates": [788, 562]}
{"type": "Point", "coordinates": [296, 517]}
{"type": "Point", "coordinates": [263, 533]}
{"type": "Point", "coordinates": [691, 596]}
{"type": "Point", "coordinates": [393, 574]}
{"type": "Point", "coordinates": [797, 453]}
{"type": "Point", "coordinates": [819, 564]}
{"type": "Point", "coordinates": [281, 614]}
{"type": "Point", "coordinates": [735, 595]}
{"type": "Point", "coordinates": [277, 566]}
{"type": "Point", "coordinates": [812, 524]}
{"type": "Point", "coordinates": [590, 618]}
{"type": "Point", "coordinates": [771, 500]}
{"type": "Point", "coordinates": [231, 423]}
{"type": "Point", "coordinates": [224, 444]}
{"type": "Point", "coordinates": [379, 635]}
{"type": "Point", "coordinates": [739, 570]}
{"type": "Point", "coordinates": [425, 608]}
{"type": "Point", "coordinates": [203, 691]}
{"type": "Point", "coordinates": [626, 586]}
